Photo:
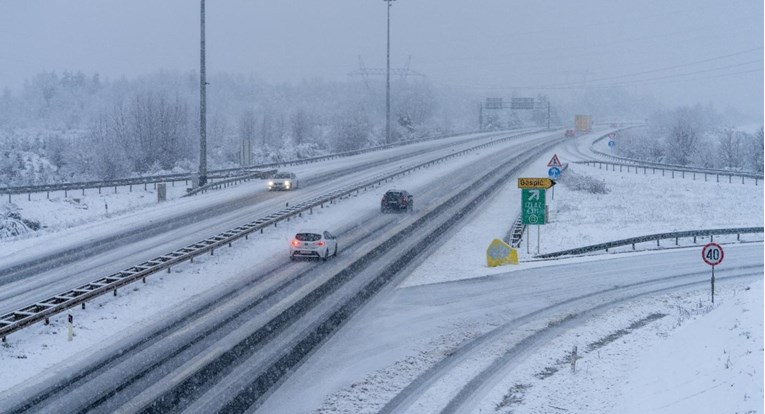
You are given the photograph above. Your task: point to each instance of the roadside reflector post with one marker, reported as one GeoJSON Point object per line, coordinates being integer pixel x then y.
{"type": "Point", "coordinates": [70, 327]}
{"type": "Point", "coordinates": [83, 305]}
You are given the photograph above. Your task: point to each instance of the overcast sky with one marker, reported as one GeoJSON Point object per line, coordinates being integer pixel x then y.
{"type": "Point", "coordinates": [680, 51]}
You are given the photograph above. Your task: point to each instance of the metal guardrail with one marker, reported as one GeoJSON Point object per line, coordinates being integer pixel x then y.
{"type": "Point", "coordinates": [230, 181]}
{"type": "Point", "coordinates": [680, 172]}
{"type": "Point", "coordinates": [654, 237]}
{"type": "Point", "coordinates": [213, 174]}
{"type": "Point", "coordinates": [42, 310]}
{"type": "Point", "coordinates": [670, 167]}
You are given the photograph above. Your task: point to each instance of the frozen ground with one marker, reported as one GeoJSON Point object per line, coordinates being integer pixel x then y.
{"type": "Point", "coordinates": [578, 218]}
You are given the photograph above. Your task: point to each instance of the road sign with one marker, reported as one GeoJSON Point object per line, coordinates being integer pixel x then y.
{"type": "Point", "coordinates": [500, 253]}
{"type": "Point", "coordinates": [554, 161]}
{"type": "Point", "coordinates": [522, 103]}
{"type": "Point", "coordinates": [712, 253]}
{"type": "Point", "coordinates": [612, 135]}
{"type": "Point", "coordinates": [611, 144]}
{"type": "Point", "coordinates": [553, 172]}
{"type": "Point", "coordinates": [493, 103]}
{"type": "Point", "coordinates": [533, 206]}
{"type": "Point", "coordinates": [543, 183]}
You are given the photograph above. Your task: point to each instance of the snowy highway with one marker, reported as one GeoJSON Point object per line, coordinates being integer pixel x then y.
{"type": "Point", "coordinates": [64, 261]}
{"type": "Point", "coordinates": [218, 341]}
{"type": "Point", "coordinates": [274, 274]}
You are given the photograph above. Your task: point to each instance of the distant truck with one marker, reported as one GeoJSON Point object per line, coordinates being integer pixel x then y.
{"type": "Point", "coordinates": [583, 123]}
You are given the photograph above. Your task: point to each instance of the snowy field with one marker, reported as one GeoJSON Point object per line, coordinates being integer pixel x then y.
{"type": "Point", "coordinates": [635, 205]}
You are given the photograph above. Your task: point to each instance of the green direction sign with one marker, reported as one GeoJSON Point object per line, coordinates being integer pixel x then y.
{"type": "Point", "coordinates": [533, 206]}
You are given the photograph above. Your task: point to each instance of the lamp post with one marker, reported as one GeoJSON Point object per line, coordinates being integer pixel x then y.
{"type": "Point", "coordinates": [387, 82]}
{"type": "Point", "coordinates": [202, 105]}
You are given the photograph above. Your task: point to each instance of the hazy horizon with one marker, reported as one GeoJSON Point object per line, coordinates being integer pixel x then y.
{"type": "Point", "coordinates": [681, 53]}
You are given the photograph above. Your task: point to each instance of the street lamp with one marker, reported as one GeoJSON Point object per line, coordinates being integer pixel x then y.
{"type": "Point", "coordinates": [202, 105]}
{"type": "Point", "coordinates": [387, 82]}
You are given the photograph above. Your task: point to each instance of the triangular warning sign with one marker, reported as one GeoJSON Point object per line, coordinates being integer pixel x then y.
{"type": "Point", "coordinates": [554, 162]}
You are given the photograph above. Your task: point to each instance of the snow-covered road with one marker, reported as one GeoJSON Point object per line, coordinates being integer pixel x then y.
{"type": "Point", "coordinates": [361, 368]}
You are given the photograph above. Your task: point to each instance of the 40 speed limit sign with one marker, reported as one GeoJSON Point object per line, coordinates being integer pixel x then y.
{"type": "Point", "coordinates": [712, 253]}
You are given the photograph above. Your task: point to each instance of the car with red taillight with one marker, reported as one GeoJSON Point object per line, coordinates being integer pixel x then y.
{"type": "Point", "coordinates": [313, 244]}
{"type": "Point", "coordinates": [397, 200]}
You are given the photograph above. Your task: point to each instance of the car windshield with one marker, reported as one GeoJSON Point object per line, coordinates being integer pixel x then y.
{"type": "Point", "coordinates": [282, 175]}
{"type": "Point", "coordinates": [308, 236]}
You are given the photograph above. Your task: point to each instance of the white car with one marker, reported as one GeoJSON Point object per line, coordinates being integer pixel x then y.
{"type": "Point", "coordinates": [283, 181]}
{"type": "Point", "coordinates": [310, 244]}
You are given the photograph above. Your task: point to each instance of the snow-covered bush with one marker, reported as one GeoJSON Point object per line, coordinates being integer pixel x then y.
{"type": "Point", "coordinates": [12, 224]}
{"type": "Point", "coordinates": [579, 182]}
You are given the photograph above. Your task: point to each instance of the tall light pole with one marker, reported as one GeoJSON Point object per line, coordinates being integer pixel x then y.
{"type": "Point", "coordinates": [387, 82]}
{"type": "Point", "coordinates": [202, 106]}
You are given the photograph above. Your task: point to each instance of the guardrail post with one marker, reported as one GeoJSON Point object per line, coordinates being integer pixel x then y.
{"type": "Point", "coordinates": [673, 173]}
{"type": "Point", "coordinates": [9, 198]}
{"type": "Point", "coordinates": [144, 186]}
{"type": "Point", "coordinates": [676, 240]}
{"type": "Point", "coordinates": [738, 236]}
{"type": "Point", "coordinates": [662, 172]}
{"type": "Point", "coordinates": [47, 195]}
{"type": "Point", "coordinates": [115, 292]}
{"type": "Point", "coordinates": [657, 243]}
{"type": "Point", "coordinates": [83, 190]}
{"type": "Point", "coordinates": [99, 190]}
{"type": "Point", "coordinates": [730, 177]}
{"type": "Point", "coordinates": [29, 196]}
{"type": "Point", "coordinates": [83, 305]}
{"type": "Point", "coordinates": [694, 239]}
{"type": "Point", "coordinates": [705, 177]}
{"type": "Point", "coordinates": [711, 237]}
{"type": "Point", "coordinates": [742, 179]}
{"type": "Point", "coordinates": [683, 174]}
{"type": "Point", "coordinates": [130, 190]}
{"type": "Point", "coordinates": [115, 189]}
{"type": "Point", "coordinates": [718, 178]}
{"type": "Point", "coordinates": [633, 246]}
{"type": "Point", "coordinates": [66, 193]}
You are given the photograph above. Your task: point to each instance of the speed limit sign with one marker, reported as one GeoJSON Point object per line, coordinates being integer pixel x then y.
{"type": "Point", "coordinates": [712, 253]}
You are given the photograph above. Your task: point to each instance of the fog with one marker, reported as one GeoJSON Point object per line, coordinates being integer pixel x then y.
{"type": "Point", "coordinates": [679, 53]}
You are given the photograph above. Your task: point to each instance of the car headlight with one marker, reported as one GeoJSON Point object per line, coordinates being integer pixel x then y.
{"type": "Point", "coordinates": [270, 183]}
{"type": "Point", "coordinates": [286, 183]}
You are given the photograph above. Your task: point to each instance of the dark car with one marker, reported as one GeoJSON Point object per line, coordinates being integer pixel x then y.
{"type": "Point", "coordinates": [570, 133]}
{"type": "Point", "coordinates": [397, 200]}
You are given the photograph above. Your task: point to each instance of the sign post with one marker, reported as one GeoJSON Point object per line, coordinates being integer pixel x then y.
{"type": "Point", "coordinates": [712, 254]}
{"type": "Point", "coordinates": [553, 172]}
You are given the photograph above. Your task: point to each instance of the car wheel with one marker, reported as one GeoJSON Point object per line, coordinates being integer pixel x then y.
{"type": "Point", "coordinates": [335, 253]}
{"type": "Point", "coordinates": [326, 255]}
{"type": "Point", "coordinates": [292, 258]}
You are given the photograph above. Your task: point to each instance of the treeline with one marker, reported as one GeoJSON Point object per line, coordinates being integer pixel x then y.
{"type": "Point", "coordinates": [73, 126]}
{"type": "Point", "coordinates": [695, 136]}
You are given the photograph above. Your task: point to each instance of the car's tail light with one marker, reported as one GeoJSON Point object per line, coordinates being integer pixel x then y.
{"type": "Point", "coordinates": [320, 243]}
{"type": "Point", "coordinates": [296, 243]}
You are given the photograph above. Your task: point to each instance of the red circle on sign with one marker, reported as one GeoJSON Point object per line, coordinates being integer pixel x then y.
{"type": "Point", "coordinates": [712, 254]}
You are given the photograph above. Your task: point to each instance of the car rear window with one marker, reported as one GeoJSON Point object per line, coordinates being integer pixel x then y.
{"type": "Point", "coordinates": [308, 236]}
{"type": "Point", "coordinates": [392, 195]}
